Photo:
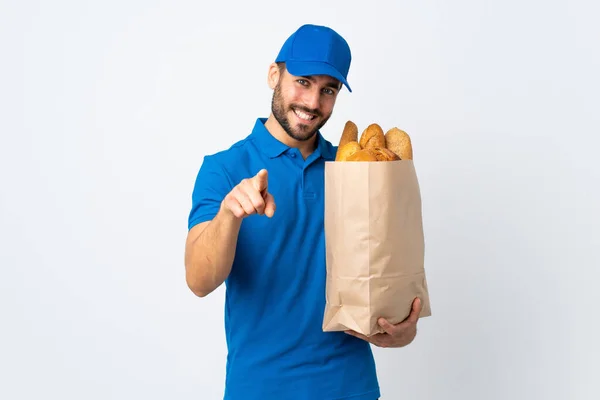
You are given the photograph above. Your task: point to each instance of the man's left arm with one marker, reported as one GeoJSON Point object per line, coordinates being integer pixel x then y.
{"type": "Point", "coordinates": [398, 335]}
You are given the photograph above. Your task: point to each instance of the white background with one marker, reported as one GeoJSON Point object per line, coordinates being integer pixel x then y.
{"type": "Point", "coordinates": [108, 107]}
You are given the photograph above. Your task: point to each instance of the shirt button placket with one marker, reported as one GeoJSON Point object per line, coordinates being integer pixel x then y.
{"type": "Point", "coordinates": [307, 189]}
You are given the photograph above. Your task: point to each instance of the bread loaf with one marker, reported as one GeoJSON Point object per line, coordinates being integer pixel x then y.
{"type": "Point", "coordinates": [399, 142]}
{"type": "Point", "coordinates": [372, 137]}
{"type": "Point", "coordinates": [349, 134]}
{"type": "Point", "coordinates": [347, 150]}
{"type": "Point", "coordinates": [363, 155]}
{"type": "Point", "coordinates": [384, 154]}
{"type": "Point", "coordinates": [373, 144]}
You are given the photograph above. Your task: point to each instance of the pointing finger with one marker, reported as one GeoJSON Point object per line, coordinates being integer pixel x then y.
{"type": "Point", "coordinates": [260, 180]}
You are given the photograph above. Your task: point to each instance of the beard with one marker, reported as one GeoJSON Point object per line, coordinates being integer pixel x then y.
{"type": "Point", "coordinates": [300, 132]}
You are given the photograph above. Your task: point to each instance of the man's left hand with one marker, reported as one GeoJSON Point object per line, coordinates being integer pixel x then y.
{"type": "Point", "coordinates": [398, 335]}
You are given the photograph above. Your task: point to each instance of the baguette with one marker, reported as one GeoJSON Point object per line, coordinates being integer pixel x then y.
{"type": "Point", "coordinates": [349, 134]}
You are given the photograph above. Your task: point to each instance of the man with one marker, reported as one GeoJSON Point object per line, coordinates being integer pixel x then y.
{"type": "Point", "coordinates": [256, 224]}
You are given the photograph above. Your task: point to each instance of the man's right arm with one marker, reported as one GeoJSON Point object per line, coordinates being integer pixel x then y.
{"type": "Point", "coordinates": [209, 252]}
{"type": "Point", "coordinates": [210, 246]}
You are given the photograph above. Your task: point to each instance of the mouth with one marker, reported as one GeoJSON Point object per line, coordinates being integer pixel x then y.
{"type": "Point", "coordinates": [303, 116]}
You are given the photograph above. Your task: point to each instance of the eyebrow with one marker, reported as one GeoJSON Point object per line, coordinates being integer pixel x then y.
{"type": "Point", "coordinates": [335, 84]}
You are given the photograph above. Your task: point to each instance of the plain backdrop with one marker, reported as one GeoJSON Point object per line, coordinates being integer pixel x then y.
{"type": "Point", "coordinates": [108, 107]}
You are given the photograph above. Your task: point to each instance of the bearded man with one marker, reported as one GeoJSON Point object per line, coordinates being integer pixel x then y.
{"type": "Point", "coordinates": [256, 224]}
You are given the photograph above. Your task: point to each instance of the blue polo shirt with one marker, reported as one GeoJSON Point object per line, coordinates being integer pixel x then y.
{"type": "Point", "coordinates": [275, 294]}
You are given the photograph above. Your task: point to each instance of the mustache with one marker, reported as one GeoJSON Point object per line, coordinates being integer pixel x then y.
{"type": "Point", "coordinates": [307, 110]}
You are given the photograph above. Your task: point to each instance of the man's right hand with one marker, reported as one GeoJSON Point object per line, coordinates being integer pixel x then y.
{"type": "Point", "coordinates": [250, 196]}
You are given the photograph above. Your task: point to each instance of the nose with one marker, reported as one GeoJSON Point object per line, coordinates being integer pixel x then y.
{"type": "Point", "coordinates": [312, 99]}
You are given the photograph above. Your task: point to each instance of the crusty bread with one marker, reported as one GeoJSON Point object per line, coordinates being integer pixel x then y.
{"type": "Point", "coordinates": [384, 154]}
{"type": "Point", "coordinates": [373, 144]}
{"type": "Point", "coordinates": [363, 155]}
{"type": "Point", "coordinates": [372, 136]}
{"type": "Point", "coordinates": [399, 142]}
{"type": "Point", "coordinates": [349, 134]}
{"type": "Point", "coordinates": [347, 150]}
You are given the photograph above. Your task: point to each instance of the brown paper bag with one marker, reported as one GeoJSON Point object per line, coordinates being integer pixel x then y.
{"type": "Point", "coordinates": [374, 245]}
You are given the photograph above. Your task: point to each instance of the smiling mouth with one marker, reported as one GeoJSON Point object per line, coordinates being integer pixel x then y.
{"type": "Point", "coordinates": [304, 116]}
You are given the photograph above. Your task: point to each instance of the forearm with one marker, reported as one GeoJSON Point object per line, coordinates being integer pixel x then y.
{"type": "Point", "coordinates": [210, 254]}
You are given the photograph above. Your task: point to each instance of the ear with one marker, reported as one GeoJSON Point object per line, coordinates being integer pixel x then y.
{"type": "Point", "coordinates": [273, 76]}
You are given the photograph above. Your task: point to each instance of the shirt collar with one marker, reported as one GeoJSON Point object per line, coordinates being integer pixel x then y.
{"type": "Point", "coordinates": [324, 148]}
{"type": "Point", "coordinates": [272, 147]}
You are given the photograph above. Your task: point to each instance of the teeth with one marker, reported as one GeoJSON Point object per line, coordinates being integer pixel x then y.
{"type": "Point", "coordinates": [303, 115]}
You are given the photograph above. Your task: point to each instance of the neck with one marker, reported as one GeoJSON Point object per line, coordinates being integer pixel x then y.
{"type": "Point", "coordinates": [306, 147]}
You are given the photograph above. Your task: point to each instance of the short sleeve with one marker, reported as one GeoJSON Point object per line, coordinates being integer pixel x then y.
{"type": "Point", "coordinates": [210, 188]}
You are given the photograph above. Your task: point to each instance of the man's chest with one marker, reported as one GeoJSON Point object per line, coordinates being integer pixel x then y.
{"type": "Point", "coordinates": [298, 192]}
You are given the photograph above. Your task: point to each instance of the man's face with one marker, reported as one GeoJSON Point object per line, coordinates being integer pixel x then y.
{"type": "Point", "coordinates": [302, 105]}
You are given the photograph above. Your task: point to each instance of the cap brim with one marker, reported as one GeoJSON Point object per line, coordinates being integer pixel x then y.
{"type": "Point", "coordinates": [306, 68]}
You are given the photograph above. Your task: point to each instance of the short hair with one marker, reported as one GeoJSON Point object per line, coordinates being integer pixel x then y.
{"type": "Point", "coordinates": [281, 65]}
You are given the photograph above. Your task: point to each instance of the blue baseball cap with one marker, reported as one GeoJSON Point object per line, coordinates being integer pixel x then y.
{"type": "Point", "coordinates": [317, 50]}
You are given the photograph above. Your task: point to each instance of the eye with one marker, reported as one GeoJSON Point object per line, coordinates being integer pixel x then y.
{"type": "Point", "coordinates": [329, 91]}
{"type": "Point", "coordinates": [303, 82]}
